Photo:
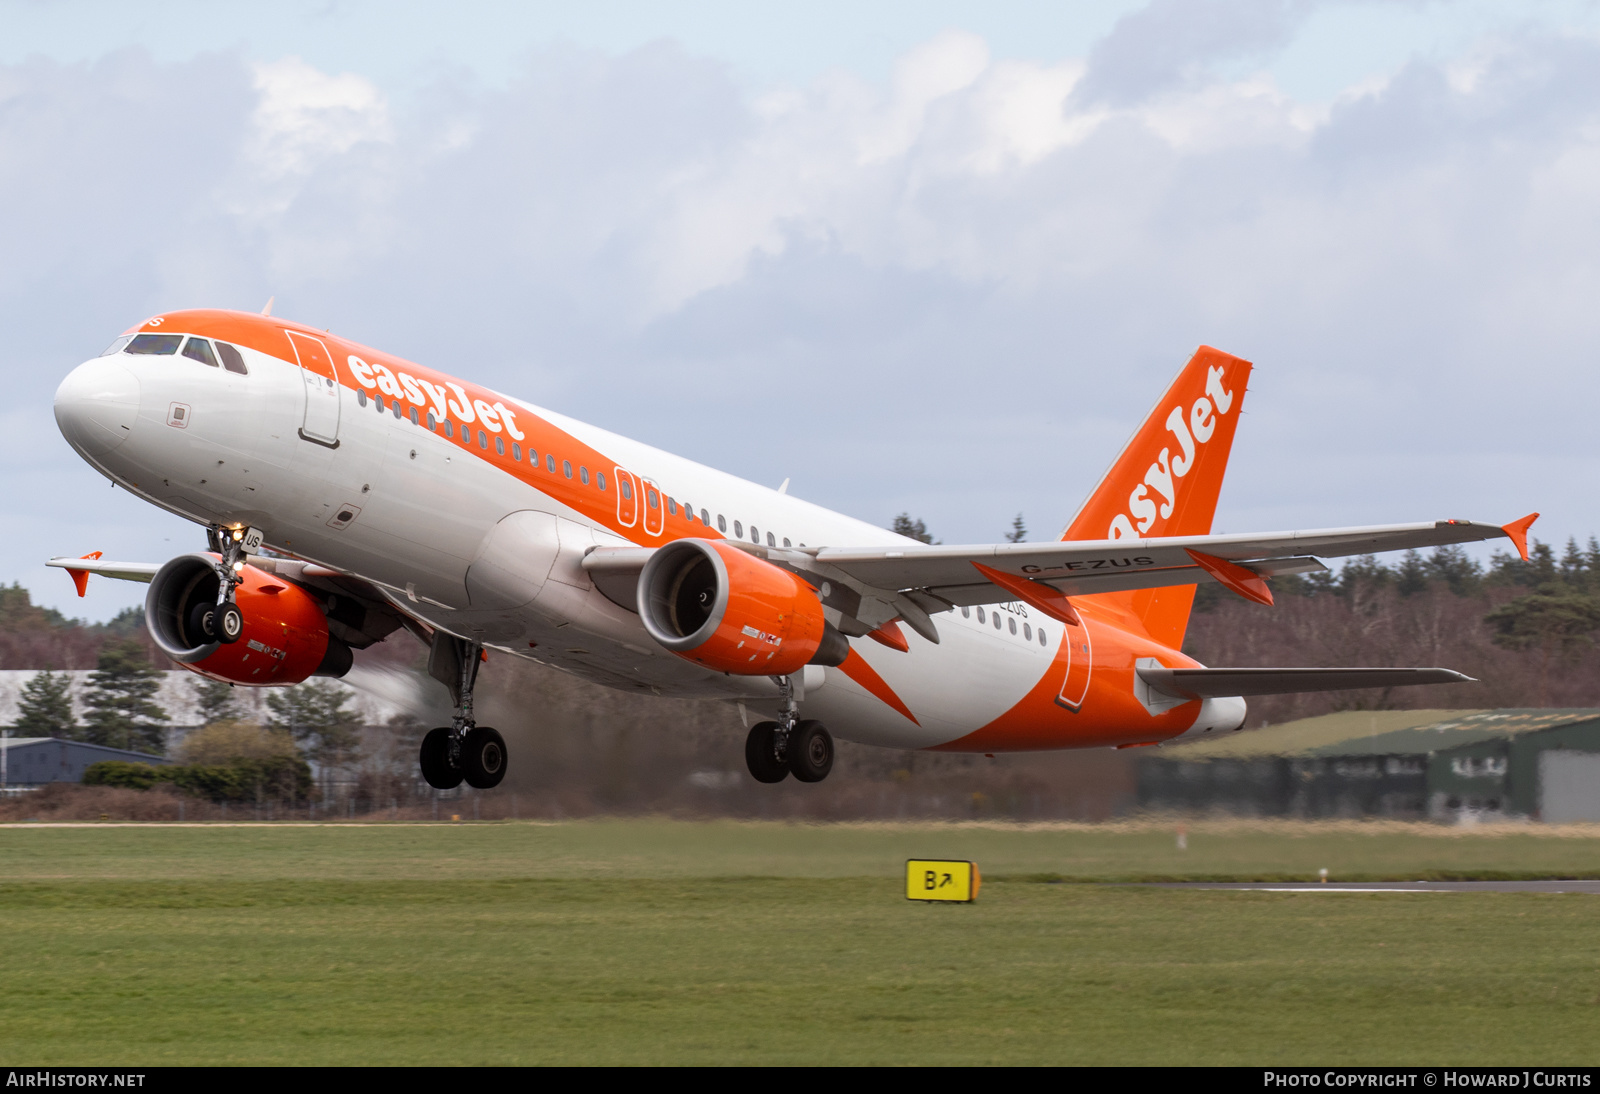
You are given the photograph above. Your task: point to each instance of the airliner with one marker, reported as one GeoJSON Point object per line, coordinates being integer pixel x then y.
{"type": "Point", "coordinates": [347, 494]}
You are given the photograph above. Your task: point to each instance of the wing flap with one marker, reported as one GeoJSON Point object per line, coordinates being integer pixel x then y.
{"type": "Point", "coordinates": [1220, 682]}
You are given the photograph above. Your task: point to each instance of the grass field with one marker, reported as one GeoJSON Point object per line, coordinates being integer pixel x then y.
{"type": "Point", "coordinates": [661, 941]}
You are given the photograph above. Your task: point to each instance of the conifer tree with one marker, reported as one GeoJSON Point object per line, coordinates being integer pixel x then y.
{"type": "Point", "coordinates": [316, 714]}
{"type": "Point", "coordinates": [1019, 531]}
{"type": "Point", "coordinates": [214, 698]}
{"type": "Point", "coordinates": [121, 689]}
{"type": "Point", "coordinates": [45, 709]}
{"type": "Point", "coordinates": [911, 529]}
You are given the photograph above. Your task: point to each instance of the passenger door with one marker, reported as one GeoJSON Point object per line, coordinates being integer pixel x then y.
{"type": "Point", "coordinates": [321, 423]}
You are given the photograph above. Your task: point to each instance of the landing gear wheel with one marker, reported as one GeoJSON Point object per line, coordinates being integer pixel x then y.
{"type": "Point", "coordinates": [228, 623]}
{"type": "Point", "coordinates": [201, 628]}
{"type": "Point", "coordinates": [810, 752]}
{"type": "Point", "coordinates": [761, 754]}
{"type": "Point", "coordinates": [483, 757]}
{"type": "Point", "coordinates": [435, 761]}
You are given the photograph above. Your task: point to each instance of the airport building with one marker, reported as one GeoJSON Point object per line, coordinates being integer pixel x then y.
{"type": "Point", "coordinates": [33, 761]}
{"type": "Point", "coordinates": [1539, 765]}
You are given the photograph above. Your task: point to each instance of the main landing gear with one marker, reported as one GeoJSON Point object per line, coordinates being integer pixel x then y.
{"type": "Point", "coordinates": [463, 749]}
{"type": "Point", "coordinates": [775, 750]}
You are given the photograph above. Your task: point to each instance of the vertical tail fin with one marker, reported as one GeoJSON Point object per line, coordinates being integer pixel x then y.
{"type": "Point", "coordinates": [1167, 480]}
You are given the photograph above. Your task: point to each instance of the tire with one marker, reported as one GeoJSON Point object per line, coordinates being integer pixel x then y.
{"type": "Point", "coordinates": [201, 631]}
{"type": "Point", "coordinates": [810, 752]}
{"type": "Point", "coordinates": [760, 754]}
{"type": "Point", "coordinates": [435, 761]}
{"type": "Point", "coordinates": [483, 758]}
{"type": "Point", "coordinates": [228, 624]}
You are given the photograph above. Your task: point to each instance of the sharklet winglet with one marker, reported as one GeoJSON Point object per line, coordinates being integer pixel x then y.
{"type": "Point", "coordinates": [1517, 530]}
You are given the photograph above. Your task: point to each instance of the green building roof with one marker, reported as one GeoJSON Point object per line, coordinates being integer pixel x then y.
{"type": "Point", "coordinates": [1377, 733]}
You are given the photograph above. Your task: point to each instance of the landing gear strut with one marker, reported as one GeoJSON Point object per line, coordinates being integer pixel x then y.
{"type": "Point", "coordinates": [221, 622]}
{"type": "Point", "coordinates": [775, 750]}
{"type": "Point", "coordinates": [463, 749]}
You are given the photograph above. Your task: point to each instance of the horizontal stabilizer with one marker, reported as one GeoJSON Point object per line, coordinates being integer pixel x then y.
{"type": "Point", "coordinates": [1216, 683]}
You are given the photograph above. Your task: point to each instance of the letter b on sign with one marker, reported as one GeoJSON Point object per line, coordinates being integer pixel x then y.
{"type": "Point", "coordinates": [942, 880]}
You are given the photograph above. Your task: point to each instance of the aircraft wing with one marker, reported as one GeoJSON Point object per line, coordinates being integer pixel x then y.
{"type": "Point", "coordinates": [1203, 683]}
{"type": "Point", "coordinates": [910, 581]}
{"type": "Point", "coordinates": [1077, 567]}
{"type": "Point", "coordinates": [122, 571]}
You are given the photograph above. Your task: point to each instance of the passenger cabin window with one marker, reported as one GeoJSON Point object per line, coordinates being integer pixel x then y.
{"type": "Point", "coordinates": [361, 398]}
{"type": "Point", "coordinates": [1027, 632]}
{"type": "Point", "coordinates": [499, 446]}
{"type": "Point", "coordinates": [705, 518]}
{"type": "Point", "coordinates": [414, 416]}
{"type": "Point", "coordinates": [627, 490]}
{"type": "Point", "coordinates": [549, 463]}
{"type": "Point", "coordinates": [566, 468]}
{"type": "Point", "coordinates": [516, 449]}
{"type": "Point", "coordinates": [583, 475]}
{"type": "Point", "coordinates": [397, 409]}
{"type": "Point", "coordinates": [433, 423]}
{"type": "Point", "coordinates": [722, 523]}
{"type": "Point", "coordinates": [198, 349]}
{"type": "Point", "coordinates": [116, 347]}
{"type": "Point", "coordinates": [449, 430]}
{"type": "Point", "coordinates": [996, 620]}
{"type": "Point", "coordinates": [966, 613]}
{"type": "Point", "coordinates": [483, 439]}
{"type": "Point", "coordinates": [772, 542]}
{"type": "Point", "coordinates": [786, 542]}
{"type": "Point", "coordinates": [738, 530]}
{"type": "Point", "coordinates": [600, 479]}
{"type": "Point", "coordinates": [672, 507]}
{"type": "Point", "coordinates": [1012, 623]}
{"type": "Point", "coordinates": [981, 618]}
{"type": "Point", "coordinates": [232, 359]}
{"type": "Point", "coordinates": [155, 344]}
{"type": "Point", "coordinates": [1041, 636]}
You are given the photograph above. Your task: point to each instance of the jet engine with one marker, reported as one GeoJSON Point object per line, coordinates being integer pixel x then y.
{"type": "Point", "coordinates": [285, 636]}
{"type": "Point", "coordinates": [721, 607]}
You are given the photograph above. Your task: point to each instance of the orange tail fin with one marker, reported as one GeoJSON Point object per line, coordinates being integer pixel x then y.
{"type": "Point", "coordinates": [1167, 479]}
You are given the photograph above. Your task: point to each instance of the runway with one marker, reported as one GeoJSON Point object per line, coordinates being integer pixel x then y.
{"type": "Point", "coordinates": [1591, 887]}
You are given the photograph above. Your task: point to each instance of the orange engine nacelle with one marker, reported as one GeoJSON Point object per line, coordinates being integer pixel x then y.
{"type": "Point", "coordinates": [728, 610]}
{"type": "Point", "coordinates": [285, 637]}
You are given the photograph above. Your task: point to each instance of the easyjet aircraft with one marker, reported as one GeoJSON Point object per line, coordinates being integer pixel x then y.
{"type": "Point", "coordinates": [348, 493]}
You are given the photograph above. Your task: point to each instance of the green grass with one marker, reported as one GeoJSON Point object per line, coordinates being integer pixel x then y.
{"type": "Point", "coordinates": [674, 942]}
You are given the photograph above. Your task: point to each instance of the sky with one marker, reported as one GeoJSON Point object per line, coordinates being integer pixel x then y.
{"type": "Point", "coordinates": [934, 258]}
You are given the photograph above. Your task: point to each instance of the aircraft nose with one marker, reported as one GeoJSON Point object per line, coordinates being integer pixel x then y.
{"type": "Point", "coordinates": [96, 406]}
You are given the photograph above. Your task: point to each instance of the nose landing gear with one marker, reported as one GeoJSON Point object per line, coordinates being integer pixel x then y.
{"type": "Point", "coordinates": [222, 621]}
{"type": "Point", "coordinates": [775, 750]}
{"type": "Point", "coordinates": [462, 750]}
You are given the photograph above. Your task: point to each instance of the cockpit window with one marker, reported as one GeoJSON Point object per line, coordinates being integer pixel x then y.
{"type": "Point", "coordinates": [158, 344]}
{"type": "Point", "coordinates": [232, 359]}
{"type": "Point", "coordinates": [116, 347]}
{"type": "Point", "coordinates": [198, 349]}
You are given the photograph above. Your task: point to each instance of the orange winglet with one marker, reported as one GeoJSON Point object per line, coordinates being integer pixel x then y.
{"type": "Point", "coordinates": [80, 578]}
{"type": "Point", "coordinates": [1052, 602]}
{"type": "Point", "coordinates": [855, 666]}
{"type": "Point", "coordinates": [890, 635]}
{"type": "Point", "coordinates": [1233, 577]}
{"type": "Point", "coordinates": [1518, 531]}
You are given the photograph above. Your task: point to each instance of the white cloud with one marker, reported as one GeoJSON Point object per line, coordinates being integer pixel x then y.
{"type": "Point", "coordinates": [954, 292]}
